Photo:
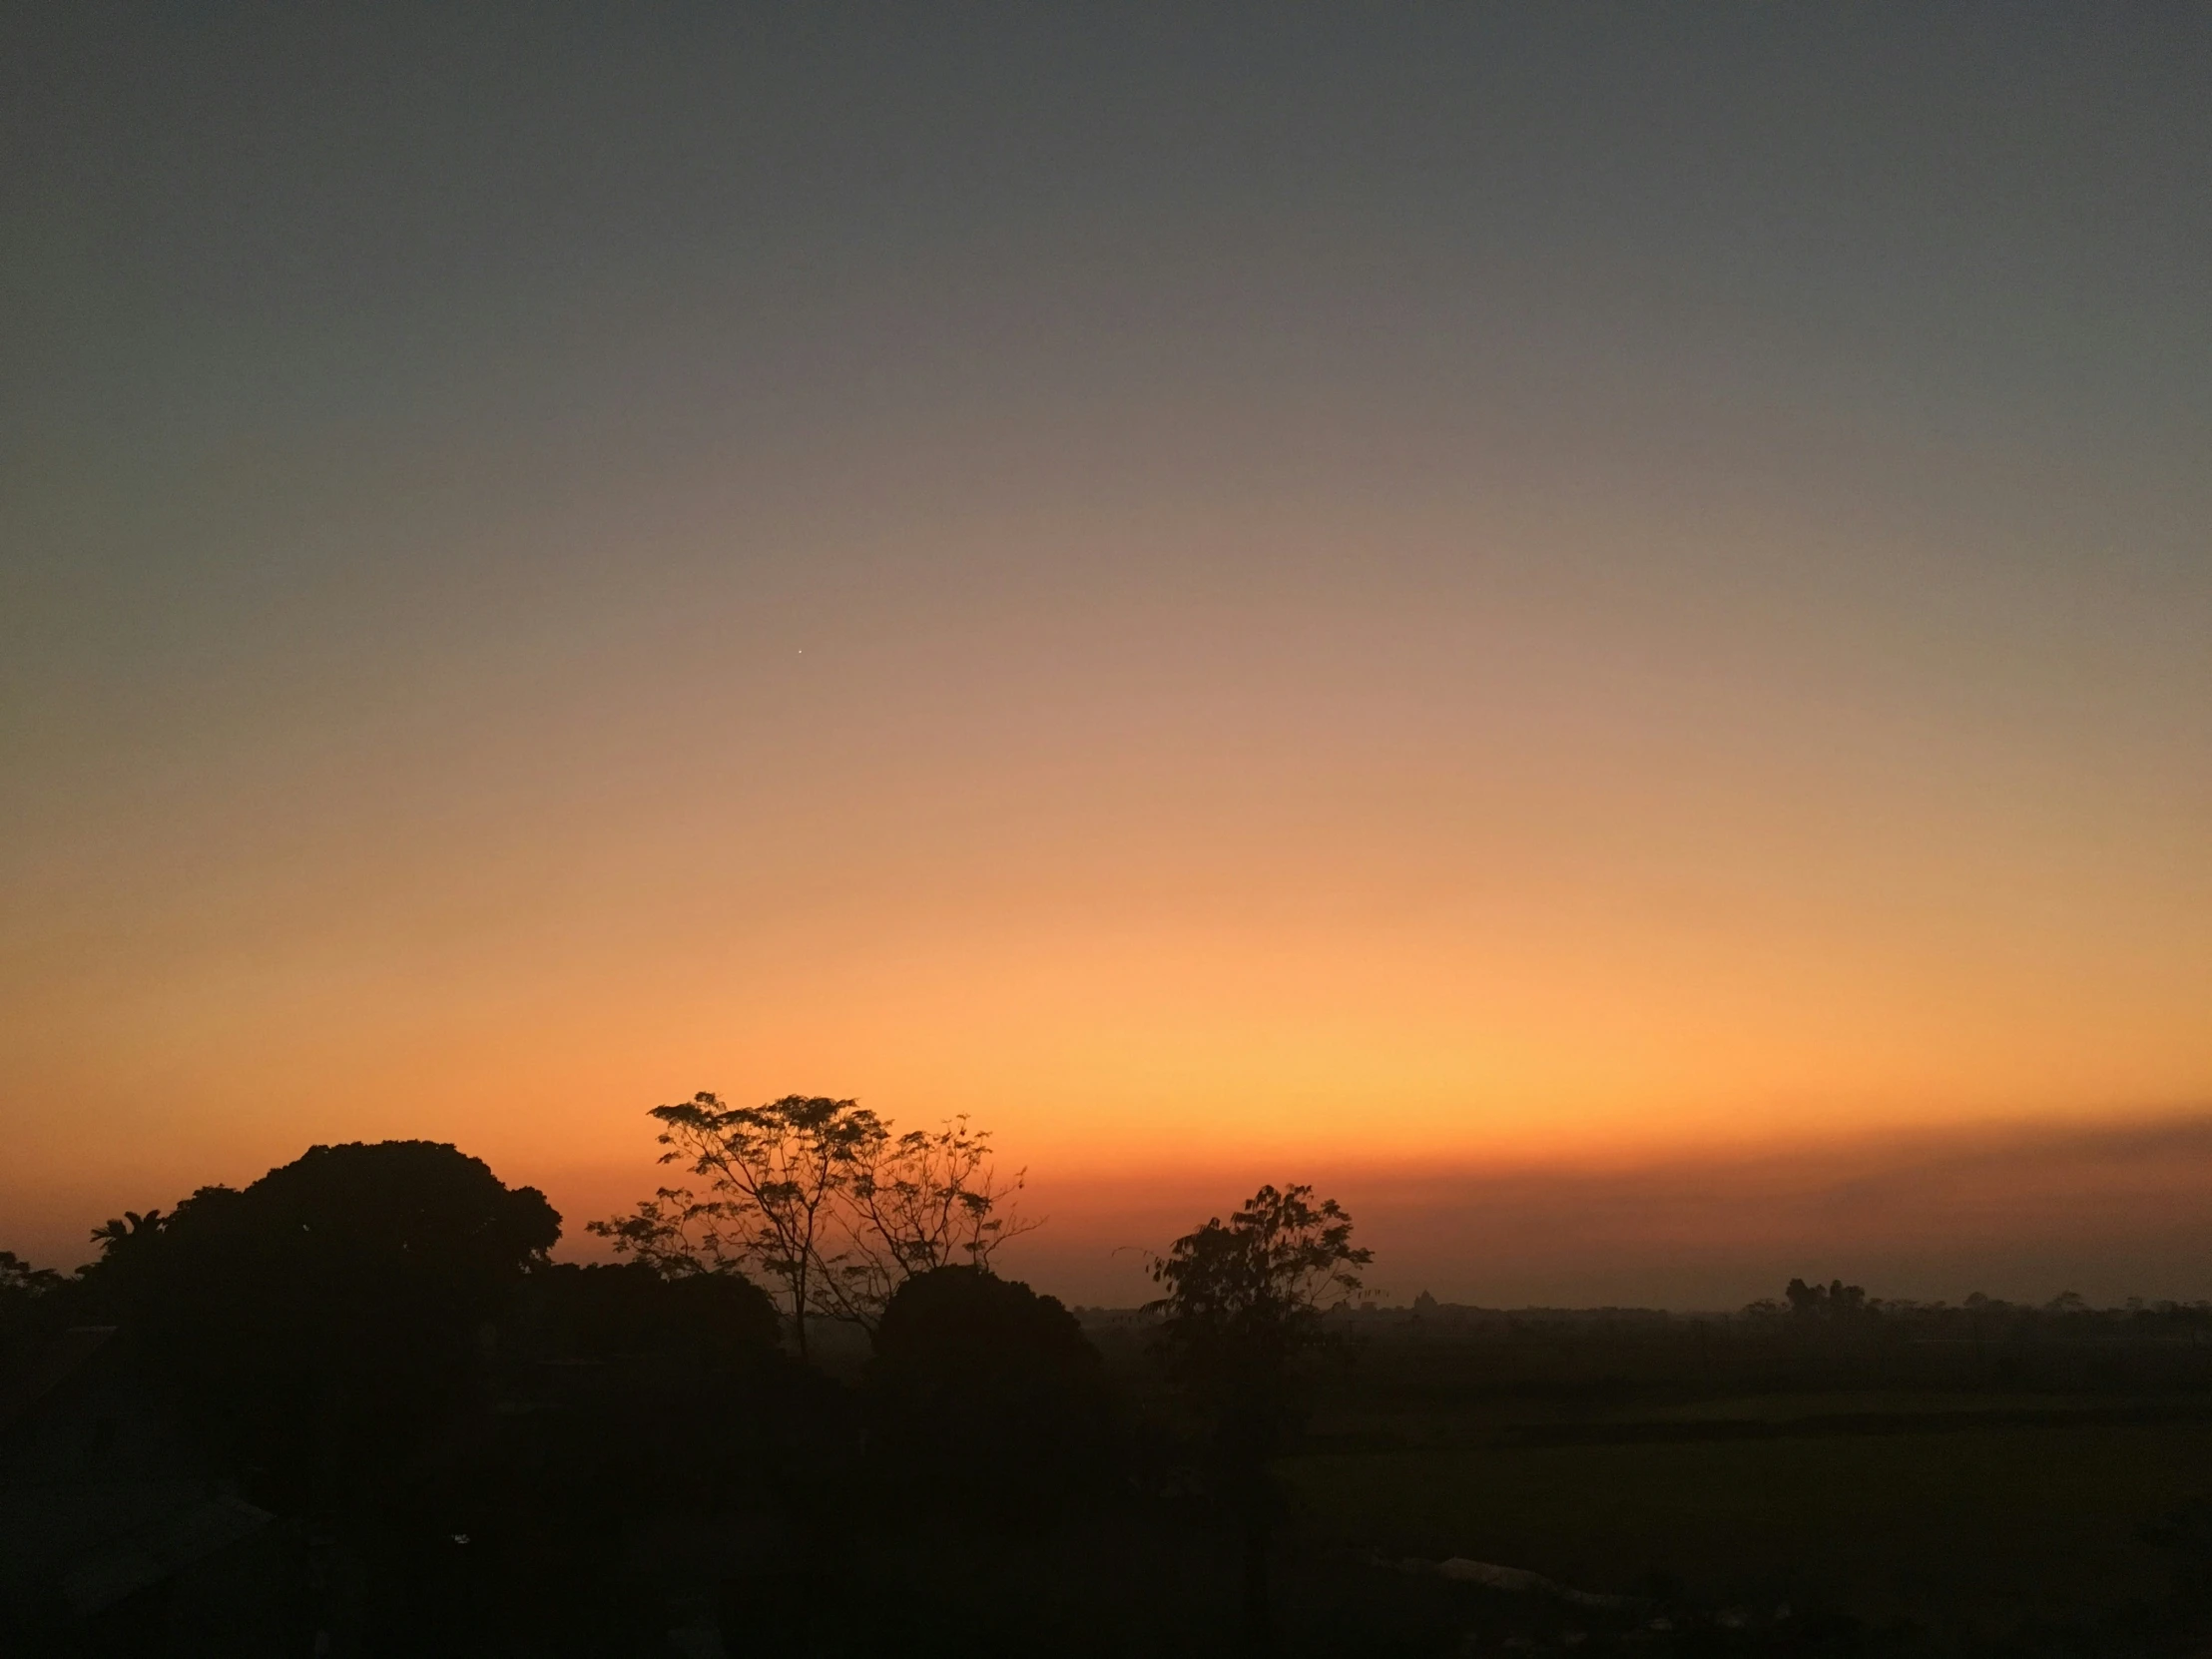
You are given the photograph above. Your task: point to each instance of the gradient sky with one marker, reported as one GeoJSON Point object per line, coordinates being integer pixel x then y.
{"type": "Point", "coordinates": [1384, 595]}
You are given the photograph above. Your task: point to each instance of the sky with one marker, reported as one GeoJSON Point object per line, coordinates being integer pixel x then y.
{"type": "Point", "coordinates": [1587, 624]}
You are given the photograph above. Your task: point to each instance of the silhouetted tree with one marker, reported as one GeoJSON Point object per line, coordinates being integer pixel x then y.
{"type": "Point", "coordinates": [121, 1233]}
{"type": "Point", "coordinates": [324, 1319]}
{"type": "Point", "coordinates": [986, 1397]}
{"type": "Point", "coordinates": [774, 1172]}
{"type": "Point", "coordinates": [1243, 1304]}
{"type": "Point", "coordinates": [920, 1201]}
{"type": "Point", "coordinates": [22, 1283]}
{"type": "Point", "coordinates": [640, 1393]}
{"type": "Point", "coordinates": [27, 1296]}
{"type": "Point", "coordinates": [1833, 1301]}
{"type": "Point", "coordinates": [821, 1197]}
{"type": "Point", "coordinates": [714, 1322]}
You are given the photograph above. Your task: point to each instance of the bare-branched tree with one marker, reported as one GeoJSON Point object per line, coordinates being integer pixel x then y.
{"type": "Point", "coordinates": [675, 1232]}
{"type": "Point", "coordinates": [925, 1198]}
{"type": "Point", "coordinates": [775, 1173]}
{"type": "Point", "coordinates": [823, 1198]}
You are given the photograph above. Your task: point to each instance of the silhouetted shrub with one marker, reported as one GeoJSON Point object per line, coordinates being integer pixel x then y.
{"type": "Point", "coordinates": [986, 1399]}
{"type": "Point", "coordinates": [630, 1309]}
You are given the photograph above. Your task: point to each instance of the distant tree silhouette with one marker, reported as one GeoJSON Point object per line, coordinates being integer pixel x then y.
{"type": "Point", "coordinates": [1243, 1304]}
{"type": "Point", "coordinates": [27, 1294]}
{"type": "Point", "coordinates": [20, 1282]}
{"type": "Point", "coordinates": [325, 1319]}
{"type": "Point", "coordinates": [1833, 1301]}
{"type": "Point", "coordinates": [821, 1197]}
{"type": "Point", "coordinates": [986, 1397]}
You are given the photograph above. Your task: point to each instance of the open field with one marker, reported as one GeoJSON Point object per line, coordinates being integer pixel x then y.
{"type": "Point", "coordinates": [1968, 1492]}
{"type": "Point", "coordinates": [1939, 1542]}
{"type": "Point", "coordinates": [1980, 1529]}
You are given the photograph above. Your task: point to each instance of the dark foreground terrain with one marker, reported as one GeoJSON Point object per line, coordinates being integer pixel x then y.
{"type": "Point", "coordinates": [1899, 1479]}
{"type": "Point", "coordinates": [1804, 1493]}
{"type": "Point", "coordinates": [353, 1409]}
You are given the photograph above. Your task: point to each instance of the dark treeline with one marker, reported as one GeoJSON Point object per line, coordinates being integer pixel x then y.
{"type": "Point", "coordinates": [355, 1408]}
{"type": "Point", "coordinates": [1813, 1337]}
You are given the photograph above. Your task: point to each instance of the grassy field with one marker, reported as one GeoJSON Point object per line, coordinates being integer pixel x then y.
{"type": "Point", "coordinates": [1966, 1529]}
{"type": "Point", "coordinates": [1925, 1482]}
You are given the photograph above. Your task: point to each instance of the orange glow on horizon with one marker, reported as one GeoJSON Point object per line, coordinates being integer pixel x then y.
{"type": "Point", "coordinates": [1171, 780]}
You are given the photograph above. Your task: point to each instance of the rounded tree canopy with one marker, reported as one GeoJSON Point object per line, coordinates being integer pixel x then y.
{"type": "Point", "coordinates": [964, 1316]}
{"type": "Point", "coordinates": [625, 1309]}
{"type": "Point", "coordinates": [342, 1220]}
{"type": "Point", "coordinates": [988, 1395]}
{"type": "Point", "coordinates": [321, 1322]}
